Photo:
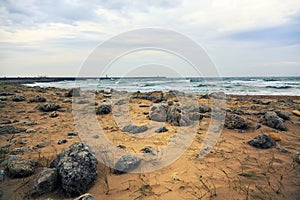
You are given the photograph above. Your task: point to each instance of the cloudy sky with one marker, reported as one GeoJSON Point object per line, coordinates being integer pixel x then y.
{"type": "Point", "coordinates": [242, 37]}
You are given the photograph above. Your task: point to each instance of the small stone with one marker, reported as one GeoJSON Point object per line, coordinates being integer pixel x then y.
{"type": "Point", "coordinates": [134, 129]}
{"type": "Point", "coordinates": [297, 157]}
{"type": "Point", "coordinates": [126, 163]}
{"type": "Point", "coordinates": [149, 150]}
{"type": "Point", "coordinates": [19, 168]}
{"type": "Point", "coordinates": [85, 196]}
{"type": "Point", "coordinates": [233, 121]}
{"type": "Point", "coordinates": [2, 174]}
{"type": "Point", "coordinates": [11, 129]}
{"type": "Point", "coordinates": [258, 126]}
{"type": "Point", "coordinates": [63, 141]}
{"type": "Point", "coordinates": [30, 131]}
{"type": "Point", "coordinates": [29, 123]}
{"type": "Point", "coordinates": [282, 149]}
{"type": "Point", "coordinates": [48, 107]}
{"type": "Point", "coordinates": [262, 141]}
{"type": "Point", "coordinates": [18, 98]}
{"type": "Point", "coordinates": [121, 146]}
{"type": "Point", "coordinates": [104, 109]}
{"type": "Point", "coordinates": [296, 112]}
{"type": "Point", "coordinates": [72, 134]}
{"type": "Point", "coordinates": [37, 99]}
{"type": "Point", "coordinates": [45, 182]}
{"type": "Point", "coordinates": [95, 136]}
{"type": "Point", "coordinates": [42, 144]}
{"type": "Point", "coordinates": [161, 129]}
{"type": "Point", "coordinates": [275, 136]}
{"type": "Point", "coordinates": [53, 114]}
{"type": "Point", "coordinates": [121, 102]}
{"type": "Point", "coordinates": [144, 105]}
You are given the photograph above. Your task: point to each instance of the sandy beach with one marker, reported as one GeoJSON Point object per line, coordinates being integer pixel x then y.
{"type": "Point", "coordinates": [232, 170]}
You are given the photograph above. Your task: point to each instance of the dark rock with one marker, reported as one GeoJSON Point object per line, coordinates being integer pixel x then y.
{"type": "Point", "coordinates": [195, 116]}
{"type": "Point", "coordinates": [283, 114]}
{"type": "Point", "coordinates": [6, 93]}
{"type": "Point", "coordinates": [176, 118]}
{"type": "Point", "coordinates": [257, 126]}
{"type": "Point", "coordinates": [262, 141]}
{"type": "Point", "coordinates": [103, 109]}
{"type": "Point", "coordinates": [2, 174]}
{"type": "Point", "coordinates": [53, 114]}
{"type": "Point", "coordinates": [37, 99]}
{"type": "Point", "coordinates": [161, 129]}
{"type": "Point", "coordinates": [63, 141]}
{"type": "Point", "coordinates": [144, 105]}
{"type": "Point", "coordinates": [272, 120]}
{"type": "Point", "coordinates": [42, 144]}
{"type": "Point", "coordinates": [204, 108]}
{"type": "Point", "coordinates": [19, 168]}
{"type": "Point", "coordinates": [134, 129]}
{"type": "Point", "coordinates": [297, 157]}
{"type": "Point", "coordinates": [158, 113]}
{"type": "Point", "coordinates": [121, 146]}
{"type": "Point", "coordinates": [282, 149]}
{"type": "Point", "coordinates": [5, 121]}
{"type": "Point", "coordinates": [45, 182]}
{"type": "Point", "coordinates": [121, 102]}
{"type": "Point", "coordinates": [74, 92]}
{"type": "Point", "coordinates": [48, 107]}
{"type": "Point", "coordinates": [238, 112]}
{"type": "Point", "coordinates": [11, 129]}
{"type": "Point", "coordinates": [72, 134]}
{"type": "Point", "coordinates": [3, 98]}
{"type": "Point", "coordinates": [30, 131]}
{"type": "Point", "coordinates": [156, 96]}
{"type": "Point", "coordinates": [170, 103]}
{"type": "Point", "coordinates": [85, 196]}
{"type": "Point", "coordinates": [18, 98]}
{"type": "Point", "coordinates": [28, 123]}
{"type": "Point", "coordinates": [126, 163]}
{"type": "Point", "coordinates": [233, 121]}
{"type": "Point", "coordinates": [77, 168]}
{"type": "Point", "coordinates": [149, 150]}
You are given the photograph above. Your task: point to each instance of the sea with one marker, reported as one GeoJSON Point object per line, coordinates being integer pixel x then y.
{"type": "Point", "coordinates": [289, 86]}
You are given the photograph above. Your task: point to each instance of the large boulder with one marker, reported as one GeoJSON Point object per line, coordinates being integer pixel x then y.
{"type": "Point", "coordinates": [18, 167]}
{"type": "Point", "coordinates": [158, 113]}
{"type": "Point", "coordinates": [103, 109]}
{"type": "Point", "coordinates": [45, 182]}
{"type": "Point", "coordinates": [283, 114]}
{"type": "Point", "coordinates": [126, 163]}
{"type": "Point", "coordinates": [233, 121]}
{"type": "Point", "coordinates": [175, 117]}
{"type": "Point", "coordinates": [272, 120]}
{"type": "Point", "coordinates": [262, 141]}
{"type": "Point", "coordinates": [48, 107]}
{"type": "Point", "coordinates": [76, 167]}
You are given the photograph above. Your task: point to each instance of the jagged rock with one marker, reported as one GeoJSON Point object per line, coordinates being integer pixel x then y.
{"type": "Point", "coordinates": [48, 107]}
{"type": "Point", "coordinates": [53, 114]}
{"type": "Point", "coordinates": [103, 109]}
{"type": "Point", "coordinates": [156, 96]}
{"type": "Point", "coordinates": [74, 92]}
{"type": "Point", "coordinates": [176, 118]}
{"type": "Point", "coordinates": [161, 129]}
{"type": "Point", "coordinates": [76, 167]}
{"type": "Point", "coordinates": [262, 141]}
{"type": "Point", "coordinates": [38, 99]}
{"type": "Point", "coordinates": [17, 167]}
{"type": "Point", "coordinates": [85, 196]}
{"type": "Point", "coordinates": [195, 116]}
{"type": "Point", "coordinates": [18, 98]}
{"type": "Point", "coordinates": [134, 129]}
{"type": "Point", "coordinates": [126, 163]}
{"type": "Point", "coordinates": [11, 129]}
{"type": "Point", "coordinates": [283, 114]}
{"type": "Point", "coordinates": [45, 182]}
{"type": "Point", "coordinates": [272, 120]}
{"type": "Point", "coordinates": [233, 121]}
{"type": "Point", "coordinates": [297, 157]}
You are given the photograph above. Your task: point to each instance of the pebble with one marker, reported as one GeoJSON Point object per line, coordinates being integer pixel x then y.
{"type": "Point", "coordinates": [63, 141]}
{"type": "Point", "coordinates": [296, 112]}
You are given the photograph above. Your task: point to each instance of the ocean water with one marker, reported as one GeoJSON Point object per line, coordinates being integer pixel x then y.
{"type": "Point", "coordinates": [230, 85]}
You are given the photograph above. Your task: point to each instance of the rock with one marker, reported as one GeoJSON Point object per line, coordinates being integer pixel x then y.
{"type": "Point", "coordinates": [72, 134]}
{"type": "Point", "coordinates": [83, 101]}
{"type": "Point", "coordinates": [74, 92]}
{"type": "Point", "coordinates": [126, 163]}
{"type": "Point", "coordinates": [272, 120]}
{"type": "Point", "coordinates": [37, 99]}
{"type": "Point", "coordinates": [18, 98]}
{"type": "Point", "coordinates": [170, 103]}
{"type": "Point", "coordinates": [201, 108]}
{"type": "Point", "coordinates": [11, 129]}
{"type": "Point", "coordinates": [3, 98]}
{"type": "Point", "coordinates": [1, 193]}
{"type": "Point", "coordinates": [217, 95]}
{"type": "Point", "coordinates": [155, 97]}
{"type": "Point", "coordinates": [275, 136]}
{"type": "Point", "coordinates": [258, 126]}
{"type": "Point", "coordinates": [161, 129]}
{"type": "Point", "coordinates": [195, 116]}
{"type": "Point", "coordinates": [238, 112]}
{"type": "Point", "coordinates": [2, 176]}
{"type": "Point", "coordinates": [296, 112]}
{"type": "Point", "coordinates": [262, 141]}
{"type": "Point", "coordinates": [176, 118]}
{"type": "Point", "coordinates": [158, 113]}
{"type": "Point", "coordinates": [19, 168]}
{"type": "Point", "coordinates": [233, 121]}
{"type": "Point", "coordinates": [76, 167]}
{"type": "Point", "coordinates": [85, 196]}
{"type": "Point", "coordinates": [103, 109]}
{"type": "Point", "coordinates": [42, 144]}
{"type": "Point", "coordinates": [121, 146]}
{"type": "Point", "coordinates": [144, 105]}
{"type": "Point", "coordinates": [63, 141]}
{"type": "Point", "coordinates": [282, 149]}
{"type": "Point", "coordinates": [265, 102]}
{"type": "Point", "coordinates": [6, 93]}
{"type": "Point", "coordinates": [5, 121]}
{"type": "Point", "coordinates": [283, 114]}
{"type": "Point", "coordinates": [45, 182]}
{"type": "Point", "coordinates": [53, 114]}
{"type": "Point", "coordinates": [121, 102]}
{"type": "Point", "coordinates": [297, 157]}
{"type": "Point", "coordinates": [134, 129]}
{"type": "Point", "coordinates": [149, 150]}
{"type": "Point", "coordinates": [48, 107]}
{"type": "Point", "coordinates": [29, 123]}
{"type": "Point", "coordinates": [30, 131]}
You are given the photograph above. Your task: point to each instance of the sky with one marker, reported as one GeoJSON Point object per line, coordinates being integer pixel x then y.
{"type": "Point", "coordinates": [242, 37]}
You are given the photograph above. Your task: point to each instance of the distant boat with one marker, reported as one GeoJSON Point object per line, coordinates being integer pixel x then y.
{"type": "Point", "coordinates": [107, 78]}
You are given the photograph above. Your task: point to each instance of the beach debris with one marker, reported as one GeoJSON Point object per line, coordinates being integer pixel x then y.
{"type": "Point", "coordinates": [134, 129]}
{"type": "Point", "coordinates": [272, 120]}
{"type": "Point", "coordinates": [283, 114]}
{"type": "Point", "coordinates": [126, 163]}
{"type": "Point", "coordinates": [262, 141]}
{"type": "Point", "coordinates": [76, 167]}
{"type": "Point", "coordinates": [161, 129]}
{"type": "Point", "coordinates": [45, 182]}
{"type": "Point", "coordinates": [74, 92]}
{"type": "Point", "coordinates": [297, 157]}
{"type": "Point", "coordinates": [8, 129]}
{"type": "Point", "coordinates": [104, 108]}
{"type": "Point", "coordinates": [296, 112]}
{"type": "Point", "coordinates": [86, 196]}
{"type": "Point", "coordinates": [18, 167]}
{"type": "Point", "coordinates": [38, 99]}
{"type": "Point", "coordinates": [18, 98]}
{"type": "Point", "coordinates": [234, 121]}
{"type": "Point", "coordinates": [48, 107]}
